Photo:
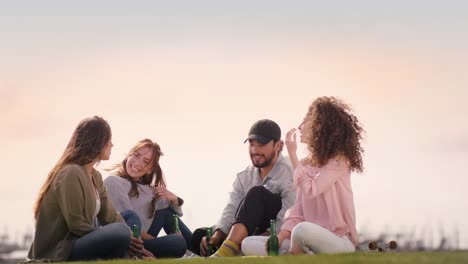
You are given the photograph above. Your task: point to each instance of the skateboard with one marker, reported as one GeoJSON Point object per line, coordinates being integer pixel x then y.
{"type": "Point", "coordinates": [382, 246]}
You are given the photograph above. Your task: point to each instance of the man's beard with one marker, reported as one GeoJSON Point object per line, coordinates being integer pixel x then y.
{"type": "Point", "coordinates": [267, 160]}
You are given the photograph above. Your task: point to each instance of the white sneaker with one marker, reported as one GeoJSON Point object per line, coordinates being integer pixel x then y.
{"type": "Point", "coordinates": [190, 254]}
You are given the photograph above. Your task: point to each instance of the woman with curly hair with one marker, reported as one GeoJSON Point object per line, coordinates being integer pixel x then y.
{"type": "Point", "coordinates": [322, 220]}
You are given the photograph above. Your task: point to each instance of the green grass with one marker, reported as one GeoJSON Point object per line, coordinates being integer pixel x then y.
{"type": "Point", "coordinates": [416, 257]}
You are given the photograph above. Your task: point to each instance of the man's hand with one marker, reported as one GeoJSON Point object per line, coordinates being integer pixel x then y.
{"type": "Point", "coordinates": [215, 242]}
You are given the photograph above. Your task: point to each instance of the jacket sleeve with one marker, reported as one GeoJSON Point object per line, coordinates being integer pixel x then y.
{"type": "Point", "coordinates": [117, 193]}
{"type": "Point", "coordinates": [69, 190]}
{"type": "Point", "coordinates": [108, 214]}
{"type": "Point", "coordinates": [177, 208]}
{"type": "Point", "coordinates": [227, 217]}
{"type": "Point", "coordinates": [288, 195]}
{"type": "Point", "coordinates": [294, 215]}
{"type": "Point", "coordinates": [312, 186]}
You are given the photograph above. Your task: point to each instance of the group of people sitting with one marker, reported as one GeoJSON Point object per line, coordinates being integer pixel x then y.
{"type": "Point", "coordinates": [81, 217]}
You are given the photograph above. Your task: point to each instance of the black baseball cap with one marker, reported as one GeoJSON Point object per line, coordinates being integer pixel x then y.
{"type": "Point", "coordinates": [264, 131]}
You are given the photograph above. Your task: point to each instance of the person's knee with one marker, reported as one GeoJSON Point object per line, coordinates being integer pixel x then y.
{"type": "Point", "coordinates": [256, 191]}
{"type": "Point", "coordinates": [253, 246]}
{"type": "Point", "coordinates": [299, 231]}
{"type": "Point", "coordinates": [197, 237]}
{"type": "Point", "coordinates": [121, 234]}
{"type": "Point", "coordinates": [247, 243]}
{"type": "Point", "coordinates": [180, 246]}
{"type": "Point", "coordinates": [165, 214]}
{"type": "Point", "coordinates": [131, 216]}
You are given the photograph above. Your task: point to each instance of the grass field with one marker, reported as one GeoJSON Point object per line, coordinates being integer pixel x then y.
{"type": "Point", "coordinates": [416, 257]}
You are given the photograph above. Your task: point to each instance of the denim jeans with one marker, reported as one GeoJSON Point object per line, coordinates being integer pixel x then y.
{"type": "Point", "coordinates": [107, 242]}
{"type": "Point", "coordinates": [131, 218]}
{"type": "Point", "coordinates": [163, 219]}
{"type": "Point", "coordinates": [170, 246]}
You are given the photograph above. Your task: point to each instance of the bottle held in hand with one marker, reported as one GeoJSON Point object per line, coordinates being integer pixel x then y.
{"type": "Point", "coordinates": [209, 233]}
{"type": "Point", "coordinates": [136, 234]}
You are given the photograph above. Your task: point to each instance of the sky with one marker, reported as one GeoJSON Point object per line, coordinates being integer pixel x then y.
{"type": "Point", "coordinates": [195, 75]}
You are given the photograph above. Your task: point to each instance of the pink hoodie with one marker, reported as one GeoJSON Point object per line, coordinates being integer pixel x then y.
{"type": "Point", "coordinates": [324, 197]}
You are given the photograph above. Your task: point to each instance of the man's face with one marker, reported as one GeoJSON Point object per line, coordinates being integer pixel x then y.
{"type": "Point", "coordinates": [262, 154]}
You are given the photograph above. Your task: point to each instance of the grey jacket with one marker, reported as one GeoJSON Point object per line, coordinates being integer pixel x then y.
{"type": "Point", "coordinates": [278, 181]}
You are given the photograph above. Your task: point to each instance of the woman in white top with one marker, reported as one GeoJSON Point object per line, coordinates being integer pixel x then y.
{"type": "Point", "coordinates": [138, 191]}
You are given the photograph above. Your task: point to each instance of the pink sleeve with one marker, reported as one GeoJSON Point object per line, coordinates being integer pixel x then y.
{"type": "Point", "coordinates": [294, 215]}
{"type": "Point", "coordinates": [312, 186]}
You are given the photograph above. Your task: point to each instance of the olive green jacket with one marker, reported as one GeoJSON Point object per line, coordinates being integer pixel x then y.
{"type": "Point", "coordinates": [66, 213]}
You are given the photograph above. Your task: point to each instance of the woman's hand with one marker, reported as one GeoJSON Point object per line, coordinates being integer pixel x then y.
{"type": "Point", "coordinates": [162, 192]}
{"type": "Point", "coordinates": [291, 146]}
{"type": "Point", "coordinates": [147, 255]}
{"type": "Point", "coordinates": [136, 246]}
{"type": "Point", "coordinates": [291, 142]}
{"type": "Point", "coordinates": [282, 235]}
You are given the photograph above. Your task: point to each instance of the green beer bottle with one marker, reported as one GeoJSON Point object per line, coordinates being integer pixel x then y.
{"type": "Point", "coordinates": [273, 244]}
{"type": "Point", "coordinates": [136, 234]}
{"type": "Point", "coordinates": [175, 224]}
{"type": "Point", "coordinates": [209, 233]}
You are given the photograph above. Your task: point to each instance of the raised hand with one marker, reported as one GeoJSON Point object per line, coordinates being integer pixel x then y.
{"type": "Point", "coordinates": [291, 146]}
{"type": "Point", "coordinates": [163, 192]}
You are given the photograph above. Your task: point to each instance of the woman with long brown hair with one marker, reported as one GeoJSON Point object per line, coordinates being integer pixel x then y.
{"type": "Point", "coordinates": [74, 217]}
{"type": "Point", "coordinates": [138, 190]}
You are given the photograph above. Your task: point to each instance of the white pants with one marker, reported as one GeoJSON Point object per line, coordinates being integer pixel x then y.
{"type": "Point", "coordinates": [312, 238]}
{"type": "Point", "coordinates": [255, 246]}
{"type": "Point", "coordinates": [309, 237]}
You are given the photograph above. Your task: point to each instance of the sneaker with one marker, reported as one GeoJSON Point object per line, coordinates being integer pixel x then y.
{"type": "Point", "coordinates": [190, 254]}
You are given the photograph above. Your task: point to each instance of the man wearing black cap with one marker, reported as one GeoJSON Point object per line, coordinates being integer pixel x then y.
{"type": "Point", "coordinates": [263, 191]}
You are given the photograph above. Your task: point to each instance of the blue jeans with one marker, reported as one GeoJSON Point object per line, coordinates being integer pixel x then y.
{"type": "Point", "coordinates": [170, 246]}
{"type": "Point", "coordinates": [107, 242]}
{"type": "Point", "coordinates": [163, 220]}
{"type": "Point", "coordinates": [131, 218]}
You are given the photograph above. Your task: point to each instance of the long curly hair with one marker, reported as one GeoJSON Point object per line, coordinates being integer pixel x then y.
{"type": "Point", "coordinates": [154, 178]}
{"type": "Point", "coordinates": [330, 129]}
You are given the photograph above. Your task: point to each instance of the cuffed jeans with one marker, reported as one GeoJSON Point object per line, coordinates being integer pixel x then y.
{"type": "Point", "coordinates": [170, 246]}
{"type": "Point", "coordinates": [163, 219]}
{"type": "Point", "coordinates": [106, 242]}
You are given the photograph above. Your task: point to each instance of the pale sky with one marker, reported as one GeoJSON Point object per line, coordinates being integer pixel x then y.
{"type": "Point", "coordinates": [194, 76]}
